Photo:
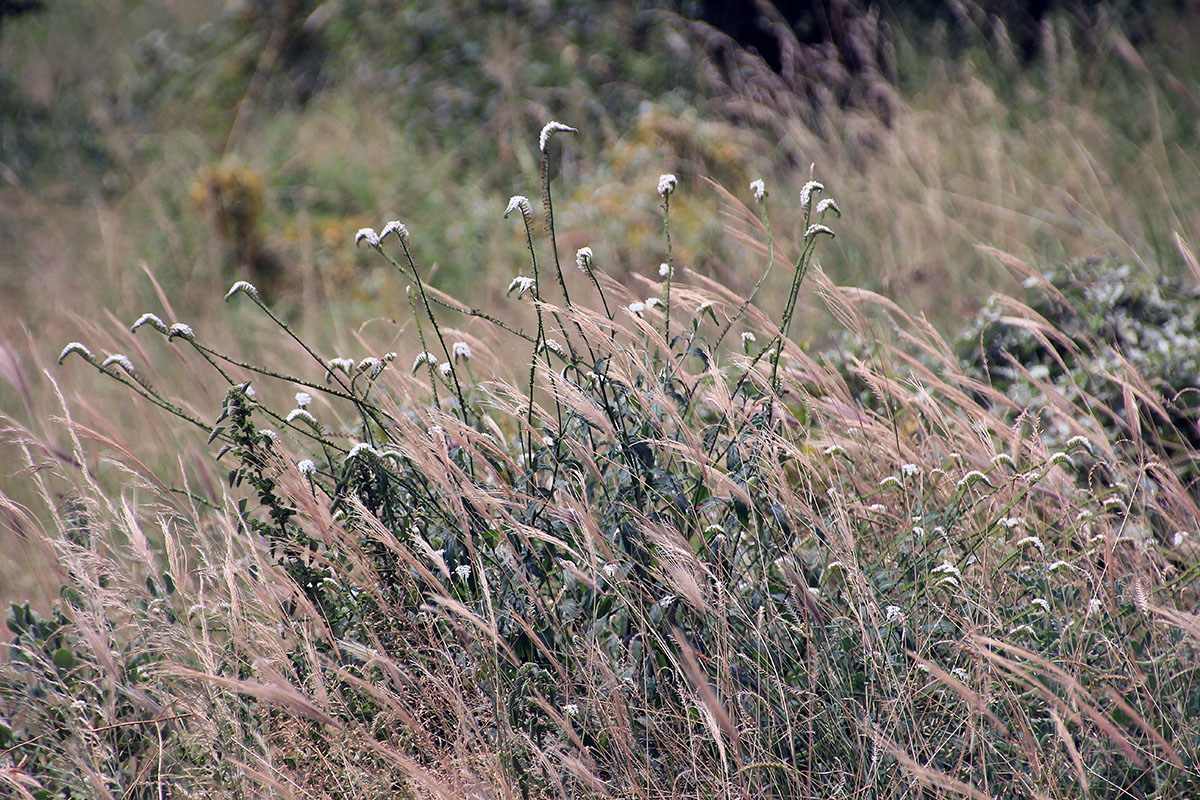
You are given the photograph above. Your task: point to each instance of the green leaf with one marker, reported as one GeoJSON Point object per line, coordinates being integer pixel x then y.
{"type": "Point", "coordinates": [64, 659]}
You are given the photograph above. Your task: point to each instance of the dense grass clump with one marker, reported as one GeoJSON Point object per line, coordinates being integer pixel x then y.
{"type": "Point", "coordinates": [671, 554]}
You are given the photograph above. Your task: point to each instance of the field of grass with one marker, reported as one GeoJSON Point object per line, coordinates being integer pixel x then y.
{"type": "Point", "coordinates": [609, 473]}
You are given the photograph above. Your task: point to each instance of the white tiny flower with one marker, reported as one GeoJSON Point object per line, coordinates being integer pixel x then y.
{"type": "Point", "coordinates": [346, 365]}
{"type": "Point", "coordinates": [910, 470]}
{"type": "Point", "coordinates": [583, 258]}
{"type": "Point", "coordinates": [303, 399]}
{"type": "Point", "coordinates": [361, 447]}
{"type": "Point", "coordinates": [463, 571]}
{"type": "Point", "coordinates": [461, 350]}
{"type": "Point", "coordinates": [610, 570]}
{"type": "Point", "coordinates": [251, 392]}
{"type": "Point", "coordinates": [827, 204]}
{"type": "Point", "coordinates": [149, 319]}
{"type": "Point", "coordinates": [1025, 629]}
{"type": "Point", "coordinates": [974, 476]}
{"type": "Point", "coordinates": [893, 614]}
{"type": "Point", "coordinates": [121, 360]}
{"type": "Point", "coordinates": [297, 413]}
{"type": "Point", "coordinates": [424, 358]}
{"type": "Point", "coordinates": [1094, 606]}
{"type": "Point", "coordinates": [666, 184]}
{"type": "Point", "coordinates": [948, 569]}
{"type": "Point", "coordinates": [181, 330]}
{"type": "Point", "coordinates": [395, 226]}
{"type": "Point", "coordinates": [759, 189]}
{"type": "Point", "coordinates": [748, 338]}
{"type": "Point", "coordinates": [1033, 540]}
{"type": "Point", "coordinates": [76, 347]}
{"type": "Point", "coordinates": [664, 269]}
{"type": "Point", "coordinates": [877, 508]}
{"type": "Point", "coordinates": [570, 709]}
{"type": "Point", "coordinates": [519, 202]}
{"type": "Point", "coordinates": [371, 365]}
{"type": "Point", "coordinates": [366, 233]}
{"type": "Point", "coordinates": [653, 302]}
{"type": "Point", "coordinates": [445, 368]}
{"type": "Point", "coordinates": [1008, 523]}
{"type": "Point", "coordinates": [521, 284]}
{"type": "Point", "coordinates": [1061, 458]}
{"type": "Point", "coordinates": [269, 435]}
{"type": "Point", "coordinates": [1057, 565]}
{"type": "Point", "coordinates": [813, 230]}
{"type": "Point", "coordinates": [306, 467]}
{"type": "Point", "coordinates": [636, 307]}
{"type": "Point", "coordinates": [890, 480]}
{"type": "Point", "coordinates": [549, 130]}
{"type": "Point", "coordinates": [835, 450]}
{"type": "Point", "coordinates": [242, 286]}
{"type": "Point", "coordinates": [705, 306]}
{"type": "Point", "coordinates": [1178, 538]}
{"type": "Point", "coordinates": [806, 192]}
{"type": "Point", "coordinates": [553, 346]}
{"type": "Point", "coordinates": [960, 673]}
{"type": "Point", "coordinates": [1041, 603]}
{"type": "Point", "coordinates": [1004, 458]}
{"type": "Point", "coordinates": [1076, 441]}
{"type": "Point", "coordinates": [665, 601]}
{"type": "Point", "coordinates": [918, 531]}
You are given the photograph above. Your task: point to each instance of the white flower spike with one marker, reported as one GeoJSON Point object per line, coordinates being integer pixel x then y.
{"type": "Point", "coordinates": [519, 202]}
{"type": "Point", "coordinates": [395, 226]}
{"type": "Point", "coordinates": [366, 233]}
{"type": "Point", "coordinates": [583, 258]}
{"type": "Point", "coordinates": [181, 330]}
{"type": "Point", "coordinates": [827, 204]}
{"type": "Point", "coordinates": [149, 319]}
{"type": "Point", "coordinates": [666, 184]}
{"type": "Point", "coordinates": [520, 285]}
{"type": "Point", "coordinates": [759, 189]}
{"type": "Point", "coordinates": [122, 361]}
{"type": "Point", "coordinates": [461, 350]}
{"type": "Point", "coordinates": [77, 347]}
{"type": "Point", "coordinates": [813, 230]}
{"type": "Point", "coordinates": [807, 190]}
{"type": "Point", "coordinates": [242, 286]}
{"type": "Point", "coordinates": [549, 130]}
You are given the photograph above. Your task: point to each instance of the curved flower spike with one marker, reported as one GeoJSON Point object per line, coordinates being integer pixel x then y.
{"type": "Point", "coordinates": [549, 130]}
{"type": "Point", "coordinates": [77, 347]}
{"type": "Point", "coordinates": [149, 319]}
{"type": "Point", "coordinates": [366, 233]}
{"type": "Point", "coordinates": [242, 286]}
{"type": "Point", "coordinates": [120, 360]}
{"type": "Point", "coordinates": [395, 226]}
{"type": "Point", "coordinates": [519, 202]}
